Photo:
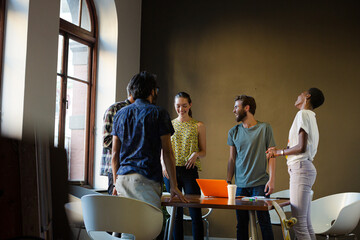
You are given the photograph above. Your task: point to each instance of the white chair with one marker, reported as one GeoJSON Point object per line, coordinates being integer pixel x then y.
{"type": "Point", "coordinates": [336, 215]}
{"type": "Point", "coordinates": [75, 217]}
{"type": "Point", "coordinates": [274, 217]}
{"type": "Point", "coordinates": [73, 207]}
{"type": "Point", "coordinates": [187, 218]}
{"type": "Point", "coordinates": [104, 213]}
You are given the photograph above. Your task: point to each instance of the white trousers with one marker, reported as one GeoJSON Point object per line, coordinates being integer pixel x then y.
{"type": "Point", "coordinates": [302, 178]}
{"type": "Point", "coordinates": [137, 186]}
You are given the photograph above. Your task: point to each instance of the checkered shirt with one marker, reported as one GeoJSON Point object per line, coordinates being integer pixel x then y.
{"type": "Point", "coordinates": [107, 137]}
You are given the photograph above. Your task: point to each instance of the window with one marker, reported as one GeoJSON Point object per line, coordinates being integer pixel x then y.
{"type": "Point", "coordinates": [2, 30]}
{"type": "Point", "coordinates": [75, 87]}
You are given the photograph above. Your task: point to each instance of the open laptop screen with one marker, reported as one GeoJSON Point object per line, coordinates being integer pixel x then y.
{"type": "Point", "coordinates": [213, 187]}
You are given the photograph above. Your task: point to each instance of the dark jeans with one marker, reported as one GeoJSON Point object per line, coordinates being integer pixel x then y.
{"type": "Point", "coordinates": [186, 180]}
{"type": "Point", "coordinates": [243, 216]}
{"type": "Point", "coordinates": [110, 183]}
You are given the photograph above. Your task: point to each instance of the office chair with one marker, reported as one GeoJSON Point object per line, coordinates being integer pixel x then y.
{"type": "Point", "coordinates": [104, 213]}
{"type": "Point", "coordinates": [336, 215]}
{"type": "Point", "coordinates": [75, 217]}
{"type": "Point", "coordinates": [186, 218]}
{"type": "Point", "coordinates": [73, 208]}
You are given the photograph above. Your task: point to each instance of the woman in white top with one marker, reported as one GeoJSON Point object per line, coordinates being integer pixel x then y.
{"type": "Point", "coordinates": [300, 152]}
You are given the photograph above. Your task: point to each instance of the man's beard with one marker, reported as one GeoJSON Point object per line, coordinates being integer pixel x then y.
{"type": "Point", "coordinates": [241, 116]}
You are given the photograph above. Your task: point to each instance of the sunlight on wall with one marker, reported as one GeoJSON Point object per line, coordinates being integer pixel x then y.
{"type": "Point", "coordinates": [118, 60]}
{"type": "Point", "coordinates": [14, 68]}
{"type": "Point", "coordinates": [106, 76]}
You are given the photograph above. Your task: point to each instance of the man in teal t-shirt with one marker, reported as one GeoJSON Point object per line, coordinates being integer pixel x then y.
{"type": "Point", "coordinates": [248, 143]}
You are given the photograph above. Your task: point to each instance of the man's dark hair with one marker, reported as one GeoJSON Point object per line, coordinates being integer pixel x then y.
{"type": "Point", "coordinates": [247, 100]}
{"type": "Point", "coordinates": [142, 84]}
{"type": "Point", "coordinates": [317, 97]}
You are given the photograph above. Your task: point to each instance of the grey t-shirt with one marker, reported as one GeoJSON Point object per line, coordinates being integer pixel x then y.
{"type": "Point", "coordinates": [251, 145]}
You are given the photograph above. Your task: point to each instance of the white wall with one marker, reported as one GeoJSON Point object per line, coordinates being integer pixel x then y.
{"type": "Point", "coordinates": [14, 68]}
{"type": "Point", "coordinates": [118, 60]}
{"type": "Point", "coordinates": [106, 76]}
{"type": "Point", "coordinates": [129, 36]}
{"type": "Point", "coordinates": [41, 66]}
{"type": "Point", "coordinates": [29, 77]}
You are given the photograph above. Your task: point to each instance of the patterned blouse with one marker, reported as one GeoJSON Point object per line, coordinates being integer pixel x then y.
{"type": "Point", "coordinates": [185, 141]}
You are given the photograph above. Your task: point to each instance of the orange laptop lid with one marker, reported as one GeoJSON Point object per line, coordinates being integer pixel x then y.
{"type": "Point", "coordinates": [213, 187]}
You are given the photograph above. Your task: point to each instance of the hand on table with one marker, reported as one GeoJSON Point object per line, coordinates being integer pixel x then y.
{"type": "Point", "coordinates": [176, 192]}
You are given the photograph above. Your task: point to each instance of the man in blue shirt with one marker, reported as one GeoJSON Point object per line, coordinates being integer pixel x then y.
{"type": "Point", "coordinates": [248, 143]}
{"type": "Point", "coordinates": [108, 119]}
{"type": "Point", "coordinates": [140, 131]}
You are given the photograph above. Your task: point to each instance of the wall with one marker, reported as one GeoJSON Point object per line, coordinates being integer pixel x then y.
{"type": "Point", "coordinates": [119, 59]}
{"type": "Point", "coordinates": [270, 50]}
{"type": "Point", "coordinates": [30, 32]}
{"type": "Point", "coordinates": [14, 68]}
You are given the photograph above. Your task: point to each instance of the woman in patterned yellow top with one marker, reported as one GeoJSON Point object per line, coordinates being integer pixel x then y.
{"type": "Point", "coordinates": [189, 145]}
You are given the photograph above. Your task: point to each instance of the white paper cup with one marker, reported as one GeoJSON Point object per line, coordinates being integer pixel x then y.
{"type": "Point", "coordinates": [231, 191]}
{"type": "Point", "coordinates": [231, 201]}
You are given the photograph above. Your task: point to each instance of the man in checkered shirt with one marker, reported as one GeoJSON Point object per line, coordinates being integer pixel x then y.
{"type": "Point", "coordinates": [106, 169]}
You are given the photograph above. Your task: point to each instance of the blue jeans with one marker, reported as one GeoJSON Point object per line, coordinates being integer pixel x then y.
{"type": "Point", "coordinates": [186, 180]}
{"type": "Point", "coordinates": [242, 216]}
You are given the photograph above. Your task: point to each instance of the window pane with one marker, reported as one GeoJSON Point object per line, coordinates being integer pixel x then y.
{"type": "Point", "coordinates": [78, 60]}
{"type": "Point", "coordinates": [57, 111]}
{"type": "Point", "coordinates": [75, 128]}
{"type": "Point", "coordinates": [85, 17]}
{"type": "Point", "coordinates": [69, 11]}
{"type": "Point", "coordinates": [60, 54]}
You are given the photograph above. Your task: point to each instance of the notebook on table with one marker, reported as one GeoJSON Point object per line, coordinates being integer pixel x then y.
{"type": "Point", "coordinates": [213, 187]}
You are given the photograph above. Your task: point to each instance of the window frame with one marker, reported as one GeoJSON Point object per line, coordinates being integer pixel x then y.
{"type": "Point", "coordinates": [88, 38]}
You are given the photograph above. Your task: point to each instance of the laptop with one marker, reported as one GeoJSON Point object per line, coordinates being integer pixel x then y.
{"type": "Point", "coordinates": [213, 187]}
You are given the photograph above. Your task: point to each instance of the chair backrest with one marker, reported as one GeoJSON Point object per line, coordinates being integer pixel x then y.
{"type": "Point", "coordinates": [186, 217]}
{"type": "Point", "coordinates": [337, 214]}
{"type": "Point", "coordinates": [119, 214]}
{"type": "Point", "coordinates": [74, 214]}
{"type": "Point", "coordinates": [347, 220]}
{"type": "Point", "coordinates": [281, 194]}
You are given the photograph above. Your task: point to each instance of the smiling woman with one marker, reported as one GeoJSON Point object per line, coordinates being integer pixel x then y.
{"type": "Point", "coordinates": [189, 145]}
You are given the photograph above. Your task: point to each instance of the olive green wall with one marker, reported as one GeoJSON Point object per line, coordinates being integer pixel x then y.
{"type": "Point", "coordinates": [271, 50]}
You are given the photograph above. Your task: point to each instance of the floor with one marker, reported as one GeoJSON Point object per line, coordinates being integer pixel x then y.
{"type": "Point", "coordinates": [277, 233]}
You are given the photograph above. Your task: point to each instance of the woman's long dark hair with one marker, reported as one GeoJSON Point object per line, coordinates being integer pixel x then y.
{"type": "Point", "coordinates": [187, 96]}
